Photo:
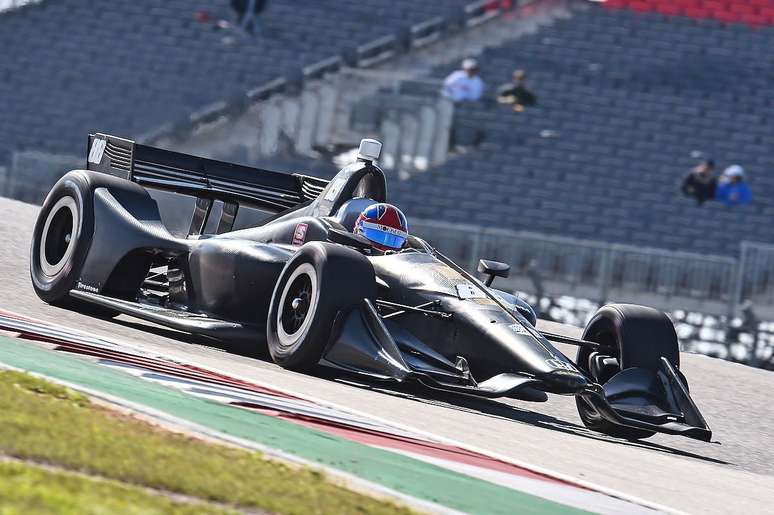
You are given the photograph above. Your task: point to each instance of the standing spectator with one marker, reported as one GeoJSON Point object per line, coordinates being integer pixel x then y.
{"type": "Point", "coordinates": [731, 189]}
{"type": "Point", "coordinates": [700, 183]}
{"type": "Point", "coordinates": [750, 323]}
{"type": "Point", "coordinates": [516, 93]}
{"type": "Point", "coordinates": [246, 11]}
{"type": "Point", "coordinates": [464, 84]}
{"type": "Point", "coordinates": [533, 272]}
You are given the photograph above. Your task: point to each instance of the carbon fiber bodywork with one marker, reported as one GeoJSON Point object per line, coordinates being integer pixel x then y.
{"type": "Point", "coordinates": [431, 321]}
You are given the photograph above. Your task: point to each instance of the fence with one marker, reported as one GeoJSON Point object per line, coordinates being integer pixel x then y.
{"type": "Point", "coordinates": [611, 272]}
{"type": "Point", "coordinates": [755, 276]}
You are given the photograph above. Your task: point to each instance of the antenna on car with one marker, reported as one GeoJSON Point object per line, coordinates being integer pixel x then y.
{"type": "Point", "coordinates": [369, 150]}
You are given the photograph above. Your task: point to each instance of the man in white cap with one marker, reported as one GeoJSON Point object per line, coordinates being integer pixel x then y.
{"type": "Point", "coordinates": [464, 84]}
{"type": "Point", "coordinates": [731, 189]}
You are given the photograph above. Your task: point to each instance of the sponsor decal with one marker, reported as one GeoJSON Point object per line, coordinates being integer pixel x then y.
{"type": "Point", "coordinates": [467, 291]}
{"type": "Point", "coordinates": [97, 149]}
{"type": "Point", "coordinates": [385, 228]}
{"type": "Point", "coordinates": [86, 287]}
{"type": "Point", "coordinates": [562, 365]}
{"type": "Point", "coordinates": [299, 235]}
{"type": "Point", "coordinates": [519, 329]}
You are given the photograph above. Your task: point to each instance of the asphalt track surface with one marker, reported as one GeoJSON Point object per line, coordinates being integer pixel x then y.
{"type": "Point", "coordinates": [733, 473]}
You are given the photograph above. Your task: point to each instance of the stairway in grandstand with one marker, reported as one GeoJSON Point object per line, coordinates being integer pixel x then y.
{"type": "Point", "coordinates": [628, 100]}
{"type": "Point", "coordinates": [132, 67]}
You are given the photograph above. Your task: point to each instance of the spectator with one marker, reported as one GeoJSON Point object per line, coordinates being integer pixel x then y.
{"type": "Point", "coordinates": [464, 84]}
{"type": "Point", "coordinates": [731, 189]}
{"type": "Point", "coordinates": [516, 93]}
{"type": "Point", "coordinates": [700, 183]}
{"type": "Point", "coordinates": [750, 323]}
{"type": "Point", "coordinates": [246, 11]}
{"type": "Point", "coordinates": [533, 272]}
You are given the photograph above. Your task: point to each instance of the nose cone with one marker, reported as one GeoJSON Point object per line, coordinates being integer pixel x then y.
{"type": "Point", "coordinates": [564, 381]}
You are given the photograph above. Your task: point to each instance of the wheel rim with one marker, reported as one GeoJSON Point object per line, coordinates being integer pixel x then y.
{"type": "Point", "coordinates": [298, 305]}
{"type": "Point", "coordinates": [57, 241]}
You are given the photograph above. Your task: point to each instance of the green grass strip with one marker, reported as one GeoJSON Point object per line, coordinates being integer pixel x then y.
{"type": "Point", "coordinates": [46, 422]}
{"type": "Point", "coordinates": [404, 474]}
{"type": "Point", "coordinates": [26, 489]}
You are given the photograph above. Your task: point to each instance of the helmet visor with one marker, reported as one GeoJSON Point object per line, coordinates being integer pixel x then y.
{"type": "Point", "coordinates": [383, 238]}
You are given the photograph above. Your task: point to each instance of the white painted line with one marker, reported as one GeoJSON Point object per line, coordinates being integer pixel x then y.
{"type": "Point", "coordinates": [587, 500]}
{"type": "Point", "coordinates": [353, 482]}
{"type": "Point", "coordinates": [432, 437]}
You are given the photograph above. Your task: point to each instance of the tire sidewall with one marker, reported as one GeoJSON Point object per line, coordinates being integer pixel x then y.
{"type": "Point", "coordinates": [344, 278]}
{"type": "Point", "coordinates": [55, 288]}
{"type": "Point", "coordinates": [641, 336]}
{"type": "Point", "coordinates": [287, 344]}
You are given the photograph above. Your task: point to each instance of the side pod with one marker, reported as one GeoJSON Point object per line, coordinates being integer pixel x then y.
{"type": "Point", "coordinates": [367, 344]}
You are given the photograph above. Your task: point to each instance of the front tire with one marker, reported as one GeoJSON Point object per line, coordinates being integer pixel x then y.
{"type": "Point", "coordinates": [320, 281]}
{"type": "Point", "coordinates": [638, 336]}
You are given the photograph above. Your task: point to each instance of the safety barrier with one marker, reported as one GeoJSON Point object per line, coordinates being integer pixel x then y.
{"type": "Point", "coordinates": [755, 276]}
{"type": "Point", "coordinates": [555, 266]}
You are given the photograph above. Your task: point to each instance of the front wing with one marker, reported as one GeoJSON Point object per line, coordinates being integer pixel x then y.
{"type": "Point", "coordinates": [366, 345]}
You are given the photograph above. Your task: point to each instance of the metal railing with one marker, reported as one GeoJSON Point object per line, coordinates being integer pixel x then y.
{"type": "Point", "coordinates": [755, 276]}
{"type": "Point", "coordinates": [610, 272]}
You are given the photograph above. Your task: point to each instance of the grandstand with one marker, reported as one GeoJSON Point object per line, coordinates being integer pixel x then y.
{"type": "Point", "coordinates": [631, 94]}
{"type": "Point", "coordinates": [132, 67]}
{"type": "Point", "coordinates": [626, 98]}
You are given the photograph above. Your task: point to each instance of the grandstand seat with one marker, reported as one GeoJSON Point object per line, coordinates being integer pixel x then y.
{"type": "Point", "coordinates": [662, 86]}
{"type": "Point", "coordinates": [129, 67]}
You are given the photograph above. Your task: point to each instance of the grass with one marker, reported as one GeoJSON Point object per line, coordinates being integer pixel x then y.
{"type": "Point", "coordinates": [26, 489]}
{"type": "Point", "coordinates": [47, 423]}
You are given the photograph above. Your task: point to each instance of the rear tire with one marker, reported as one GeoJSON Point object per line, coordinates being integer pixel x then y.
{"type": "Point", "coordinates": [639, 337]}
{"type": "Point", "coordinates": [61, 241]}
{"type": "Point", "coordinates": [320, 281]}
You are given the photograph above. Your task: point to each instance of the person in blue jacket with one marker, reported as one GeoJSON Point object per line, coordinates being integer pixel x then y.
{"type": "Point", "coordinates": [731, 189]}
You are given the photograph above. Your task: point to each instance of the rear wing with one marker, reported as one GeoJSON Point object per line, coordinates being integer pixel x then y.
{"type": "Point", "coordinates": [200, 177]}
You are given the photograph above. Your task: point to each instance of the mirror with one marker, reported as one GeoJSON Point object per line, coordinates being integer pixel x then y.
{"type": "Point", "coordinates": [493, 269]}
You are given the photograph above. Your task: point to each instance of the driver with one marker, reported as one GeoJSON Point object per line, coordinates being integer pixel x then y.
{"type": "Point", "coordinates": [384, 225]}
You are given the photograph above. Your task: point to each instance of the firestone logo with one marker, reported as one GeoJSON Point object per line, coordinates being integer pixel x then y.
{"type": "Point", "coordinates": [86, 287]}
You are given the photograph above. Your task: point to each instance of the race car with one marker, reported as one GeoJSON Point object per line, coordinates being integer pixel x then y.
{"type": "Point", "coordinates": [243, 254]}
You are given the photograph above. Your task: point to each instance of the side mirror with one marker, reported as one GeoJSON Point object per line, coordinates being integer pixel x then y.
{"type": "Point", "coordinates": [493, 269]}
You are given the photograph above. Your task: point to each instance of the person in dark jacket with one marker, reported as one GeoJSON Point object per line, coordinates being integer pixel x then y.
{"type": "Point", "coordinates": [246, 11]}
{"type": "Point", "coordinates": [516, 92]}
{"type": "Point", "coordinates": [700, 183]}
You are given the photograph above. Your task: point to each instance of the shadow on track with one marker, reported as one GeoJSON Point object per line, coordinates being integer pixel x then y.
{"type": "Point", "coordinates": [478, 406]}
{"type": "Point", "coordinates": [244, 348]}
{"type": "Point", "coordinates": [500, 410]}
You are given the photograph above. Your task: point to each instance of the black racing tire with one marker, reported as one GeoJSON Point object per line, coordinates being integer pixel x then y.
{"type": "Point", "coordinates": [61, 241]}
{"type": "Point", "coordinates": [323, 280]}
{"type": "Point", "coordinates": [639, 337]}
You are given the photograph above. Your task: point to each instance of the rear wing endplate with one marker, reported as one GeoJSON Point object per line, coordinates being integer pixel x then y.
{"type": "Point", "coordinates": [200, 177]}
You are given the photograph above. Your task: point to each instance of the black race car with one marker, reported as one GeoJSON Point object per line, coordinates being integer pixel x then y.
{"type": "Point", "coordinates": [237, 253]}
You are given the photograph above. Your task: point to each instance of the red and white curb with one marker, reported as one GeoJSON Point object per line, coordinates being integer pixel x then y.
{"type": "Point", "coordinates": [300, 408]}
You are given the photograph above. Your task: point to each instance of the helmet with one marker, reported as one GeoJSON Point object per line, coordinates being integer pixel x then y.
{"type": "Point", "coordinates": [384, 225]}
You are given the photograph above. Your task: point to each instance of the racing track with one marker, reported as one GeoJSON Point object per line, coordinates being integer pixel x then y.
{"type": "Point", "coordinates": [733, 473]}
